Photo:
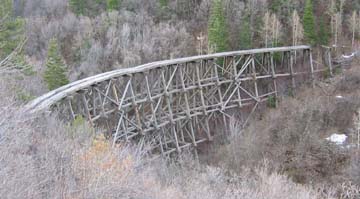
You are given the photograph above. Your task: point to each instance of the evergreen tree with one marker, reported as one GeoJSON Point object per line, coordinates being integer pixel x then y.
{"type": "Point", "coordinates": [55, 71]}
{"type": "Point", "coordinates": [217, 29]}
{"type": "Point", "coordinates": [324, 34]}
{"type": "Point", "coordinates": [77, 6]}
{"type": "Point", "coordinates": [11, 29]}
{"type": "Point", "coordinates": [11, 35]}
{"type": "Point", "coordinates": [5, 9]}
{"type": "Point", "coordinates": [113, 5]}
{"type": "Point", "coordinates": [245, 35]}
{"type": "Point", "coordinates": [309, 23]}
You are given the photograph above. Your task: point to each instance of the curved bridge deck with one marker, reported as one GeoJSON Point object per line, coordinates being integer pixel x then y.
{"type": "Point", "coordinates": [170, 104]}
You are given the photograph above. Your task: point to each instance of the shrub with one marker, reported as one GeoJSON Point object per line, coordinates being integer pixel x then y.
{"type": "Point", "coordinates": [271, 102]}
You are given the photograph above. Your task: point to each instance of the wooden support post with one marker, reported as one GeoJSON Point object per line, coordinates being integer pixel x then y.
{"type": "Point", "coordinates": [273, 74]}
{"type": "Point", "coordinates": [136, 109]}
{"type": "Point", "coordinates": [161, 146]}
{"type": "Point", "coordinates": [293, 84]}
{"type": "Point", "coordinates": [86, 108]}
{"type": "Point", "coordinates": [94, 100]}
{"type": "Point", "coordinates": [151, 101]}
{"type": "Point", "coordinates": [118, 129]}
{"type": "Point", "coordinates": [124, 94]}
{"type": "Point", "coordinates": [237, 81]}
{"type": "Point", "coordinates": [255, 78]}
{"type": "Point", "coordinates": [106, 95]}
{"type": "Point", "coordinates": [165, 141]}
{"type": "Point", "coordinates": [124, 126]}
{"type": "Point", "coordinates": [330, 62]}
{"type": "Point", "coordinates": [71, 109]}
{"type": "Point", "coordinates": [181, 131]}
{"type": "Point", "coordinates": [184, 90]}
{"type": "Point", "coordinates": [193, 138]}
{"type": "Point", "coordinates": [176, 138]}
{"type": "Point", "coordinates": [115, 93]}
{"type": "Point", "coordinates": [312, 68]}
{"type": "Point", "coordinates": [102, 108]}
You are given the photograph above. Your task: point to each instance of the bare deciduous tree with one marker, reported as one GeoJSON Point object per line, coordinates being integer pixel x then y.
{"type": "Point", "coordinates": [271, 29]}
{"type": "Point", "coordinates": [354, 26]}
{"type": "Point", "coordinates": [266, 28]}
{"type": "Point", "coordinates": [297, 29]}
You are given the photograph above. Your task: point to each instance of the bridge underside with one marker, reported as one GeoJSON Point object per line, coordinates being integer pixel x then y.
{"type": "Point", "coordinates": [171, 107]}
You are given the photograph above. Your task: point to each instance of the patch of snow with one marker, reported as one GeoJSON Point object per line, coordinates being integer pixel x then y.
{"type": "Point", "coordinates": [338, 139]}
{"type": "Point", "coordinates": [348, 56]}
{"type": "Point", "coordinates": [339, 97]}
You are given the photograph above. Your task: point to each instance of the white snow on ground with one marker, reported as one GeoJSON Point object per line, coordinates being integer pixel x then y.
{"type": "Point", "coordinates": [348, 56]}
{"type": "Point", "coordinates": [338, 139]}
{"type": "Point", "coordinates": [339, 97]}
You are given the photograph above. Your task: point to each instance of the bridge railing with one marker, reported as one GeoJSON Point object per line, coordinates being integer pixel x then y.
{"type": "Point", "coordinates": [174, 104]}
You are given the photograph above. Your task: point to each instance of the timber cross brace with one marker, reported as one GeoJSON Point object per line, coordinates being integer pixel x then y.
{"type": "Point", "coordinates": [171, 104]}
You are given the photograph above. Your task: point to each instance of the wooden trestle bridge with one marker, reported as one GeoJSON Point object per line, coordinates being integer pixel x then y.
{"type": "Point", "coordinates": [171, 104]}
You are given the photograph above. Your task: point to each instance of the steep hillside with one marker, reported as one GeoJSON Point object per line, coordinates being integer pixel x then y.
{"type": "Point", "coordinates": [294, 138]}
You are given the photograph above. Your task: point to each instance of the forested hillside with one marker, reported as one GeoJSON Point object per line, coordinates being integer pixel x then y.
{"type": "Point", "coordinates": [95, 36]}
{"type": "Point", "coordinates": [282, 153]}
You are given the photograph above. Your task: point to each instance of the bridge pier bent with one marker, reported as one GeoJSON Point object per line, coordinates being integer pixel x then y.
{"type": "Point", "coordinates": [170, 105]}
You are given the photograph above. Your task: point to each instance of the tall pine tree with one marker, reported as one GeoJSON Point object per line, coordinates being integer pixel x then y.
{"type": "Point", "coordinates": [55, 73]}
{"type": "Point", "coordinates": [217, 29]}
{"type": "Point", "coordinates": [11, 29]}
{"type": "Point", "coordinates": [309, 23]}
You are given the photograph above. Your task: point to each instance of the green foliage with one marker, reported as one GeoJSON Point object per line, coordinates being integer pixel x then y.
{"type": "Point", "coordinates": [11, 34]}
{"type": "Point", "coordinates": [271, 102]}
{"type": "Point", "coordinates": [277, 56]}
{"type": "Point", "coordinates": [290, 92]}
{"type": "Point", "coordinates": [12, 31]}
{"type": "Point", "coordinates": [163, 3]}
{"type": "Point", "coordinates": [79, 127]}
{"type": "Point", "coordinates": [79, 121]}
{"type": "Point", "coordinates": [276, 5]}
{"type": "Point", "coordinates": [77, 6]}
{"type": "Point", "coordinates": [112, 4]}
{"type": "Point", "coordinates": [217, 28]}
{"type": "Point", "coordinates": [338, 71]}
{"type": "Point", "coordinates": [5, 9]}
{"type": "Point", "coordinates": [22, 65]}
{"type": "Point", "coordinates": [245, 35]}
{"type": "Point", "coordinates": [24, 96]}
{"type": "Point", "coordinates": [324, 34]}
{"type": "Point", "coordinates": [55, 73]}
{"type": "Point", "coordinates": [309, 23]}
